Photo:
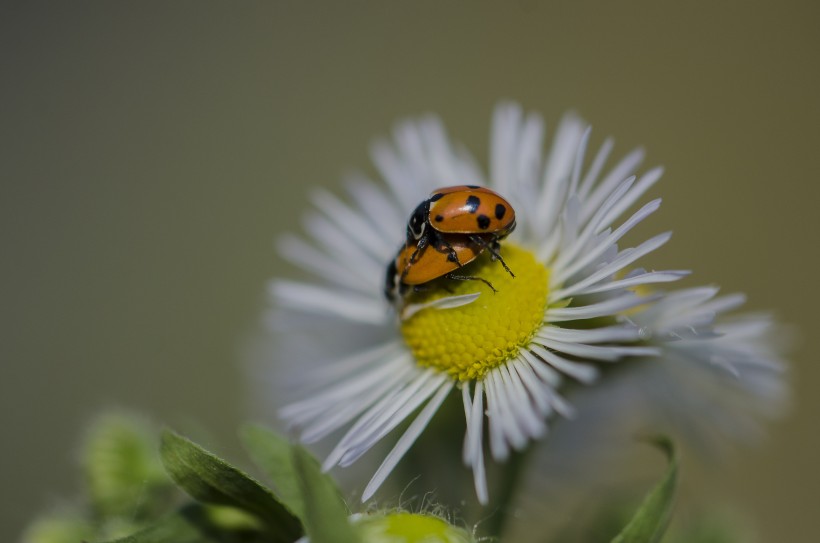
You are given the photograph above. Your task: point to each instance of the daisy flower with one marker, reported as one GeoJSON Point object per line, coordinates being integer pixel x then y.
{"type": "Point", "coordinates": [506, 353]}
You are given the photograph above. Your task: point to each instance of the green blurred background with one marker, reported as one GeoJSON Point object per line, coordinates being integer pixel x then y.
{"type": "Point", "coordinates": [152, 151]}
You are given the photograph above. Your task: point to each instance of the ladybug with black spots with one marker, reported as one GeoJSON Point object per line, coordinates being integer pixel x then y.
{"type": "Point", "coordinates": [446, 231]}
{"type": "Point", "coordinates": [463, 209]}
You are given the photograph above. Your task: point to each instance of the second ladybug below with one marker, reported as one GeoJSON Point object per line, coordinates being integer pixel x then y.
{"type": "Point", "coordinates": [446, 231]}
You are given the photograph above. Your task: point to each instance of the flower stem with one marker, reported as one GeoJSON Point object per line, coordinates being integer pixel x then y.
{"type": "Point", "coordinates": [504, 505]}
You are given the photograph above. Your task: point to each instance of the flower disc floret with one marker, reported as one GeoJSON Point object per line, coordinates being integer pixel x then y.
{"type": "Point", "coordinates": [468, 341]}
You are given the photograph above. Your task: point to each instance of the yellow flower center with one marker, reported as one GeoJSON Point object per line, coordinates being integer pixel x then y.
{"type": "Point", "coordinates": [468, 341]}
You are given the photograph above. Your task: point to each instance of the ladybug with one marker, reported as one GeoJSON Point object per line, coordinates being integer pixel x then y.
{"type": "Point", "coordinates": [467, 210]}
{"type": "Point", "coordinates": [446, 231]}
{"type": "Point", "coordinates": [462, 209]}
{"type": "Point", "coordinates": [439, 259]}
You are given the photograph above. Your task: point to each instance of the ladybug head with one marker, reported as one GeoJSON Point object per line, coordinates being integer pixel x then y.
{"type": "Point", "coordinates": [418, 221]}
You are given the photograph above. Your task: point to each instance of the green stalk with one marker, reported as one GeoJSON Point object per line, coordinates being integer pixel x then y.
{"type": "Point", "coordinates": [503, 505]}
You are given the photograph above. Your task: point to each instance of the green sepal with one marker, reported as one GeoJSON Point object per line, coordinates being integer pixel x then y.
{"type": "Point", "coordinates": [312, 495]}
{"type": "Point", "coordinates": [211, 480]}
{"type": "Point", "coordinates": [650, 521]}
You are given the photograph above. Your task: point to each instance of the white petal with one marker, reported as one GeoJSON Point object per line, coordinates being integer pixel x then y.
{"type": "Point", "coordinates": [392, 170]}
{"type": "Point", "coordinates": [448, 302]}
{"type": "Point", "coordinates": [503, 145]}
{"type": "Point", "coordinates": [579, 161]}
{"type": "Point", "coordinates": [528, 418]}
{"type": "Point", "coordinates": [347, 390]}
{"type": "Point", "coordinates": [391, 418]}
{"type": "Point", "coordinates": [613, 306]}
{"type": "Point", "coordinates": [498, 445]}
{"type": "Point", "coordinates": [584, 373]}
{"type": "Point", "coordinates": [625, 168]}
{"type": "Point", "coordinates": [595, 226]}
{"type": "Point", "coordinates": [467, 451]}
{"type": "Point", "coordinates": [644, 183]}
{"type": "Point", "coordinates": [619, 333]}
{"type": "Point", "coordinates": [528, 165]}
{"type": "Point", "coordinates": [595, 168]}
{"type": "Point", "coordinates": [591, 254]}
{"type": "Point", "coordinates": [407, 440]}
{"type": "Point", "coordinates": [535, 387]}
{"type": "Point", "coordinates": [609, 353]}
{"type": "Point", "coordinates": [311, 259]}
{"type": "Point", "coordinates": [375, 241]}
{"type": "Point", "coordinates": [374, 205]}
{"type": "Point", "coordinates": [556, 175]}
{"type": "Point", "coordinates": [624, 258]}
{"type": "Point", "coordinates": [511, 425]}
{"type": "Point", "coordinates": [342, 413]}
{"type": "Point", "coordinates": [316, 299]}
{"type": "Point", "coordinates": [647, 278]}
{"type": "Point", "coordinates": [477, 445]}
{"type": "Point", "coordinates": [392, 352]}
{"type": "Point", "coordinates": [345, 249]}
{"type": "Point", "coordinates": [380, 415]}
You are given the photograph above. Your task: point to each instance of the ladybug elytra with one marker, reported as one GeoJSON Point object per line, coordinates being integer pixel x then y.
{"type": "Point", "coordinates": [463, 209]}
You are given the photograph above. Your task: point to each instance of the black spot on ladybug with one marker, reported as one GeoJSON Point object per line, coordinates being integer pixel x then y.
{"type": "Point", "coordinates": [439, 218]}
{"type": "Point", "coordinates": [483, 222]}
{"type": "Point", "coordinates": [500, 210]}
{"type": "Point", "coordinates": [436, 197]}
{"type": "Point", "coordinates": [451, 257]}
{"type": "Point", "coordinates": [472, 203]}
{"type": "Point", "coordinates": [472, 186]}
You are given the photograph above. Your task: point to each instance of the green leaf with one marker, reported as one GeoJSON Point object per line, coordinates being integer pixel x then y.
{"type": "Point", "coordinates": [312, 495]}
{"type": "Point", "coordinates": [325, 511]}
{"type": "Point", "coordinates": [650, 521]}
{"type": "Point", "coordinates": [274, 454]}
{"type": "Point", "coordinates": [211, 480]}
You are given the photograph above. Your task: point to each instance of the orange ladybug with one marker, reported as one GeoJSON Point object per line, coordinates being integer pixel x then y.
{"type": "Point", "coordinates": [412, 268]}
{"type": "Point", "coordinates": [463, 209]}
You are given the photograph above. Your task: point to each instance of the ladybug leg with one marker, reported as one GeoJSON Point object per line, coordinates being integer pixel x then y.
{"type": "Point", "coordinates": [452, 256]}
{"type": "Point", "coordinates": [493, 248]}
{"type": "Point", "coordinates": [471, 278]}
{"type": "Point", "coordinates": [424, 287]}
{"type": "Point", "coordinates": [420, 246]}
